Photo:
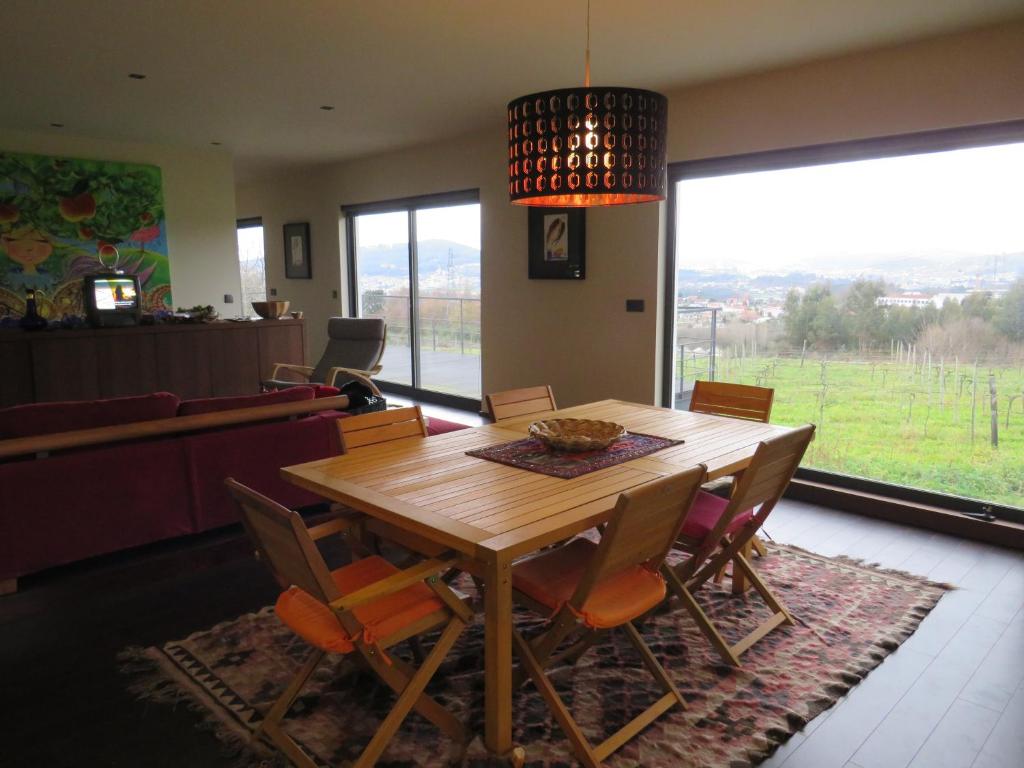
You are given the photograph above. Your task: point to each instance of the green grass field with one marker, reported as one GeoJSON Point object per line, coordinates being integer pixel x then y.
{"type": "Point", "coordinates": [888, 421]}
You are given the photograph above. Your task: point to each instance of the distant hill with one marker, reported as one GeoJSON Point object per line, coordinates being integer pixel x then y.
{"type": "Point", "coordinates": [432, 255]}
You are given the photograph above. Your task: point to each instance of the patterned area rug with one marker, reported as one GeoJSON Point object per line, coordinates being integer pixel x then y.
{"type": "Point", "coordinates": [850, 616]}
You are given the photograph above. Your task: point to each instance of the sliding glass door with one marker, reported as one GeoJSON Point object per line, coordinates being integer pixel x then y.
{"type": "Point", "coordinates": [881, 296]}
{"type": "Point", "coordinates": [416, 264]}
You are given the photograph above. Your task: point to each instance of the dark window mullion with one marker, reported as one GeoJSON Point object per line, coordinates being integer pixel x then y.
{"type": "Point", "coordinates": [354, 310]}
{"type": "Point", "coordinates": [414, 294]}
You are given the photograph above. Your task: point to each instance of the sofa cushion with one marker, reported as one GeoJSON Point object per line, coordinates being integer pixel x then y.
{"type": "Point", "coordinates": [216, 404]}
{"type": "Point", "coordinates": [65, 416]}
{"type": "Point", "coordinates": [78, 504]}
{"type": "Point", "coordinates": [437, 426]}
{"type": "Point", "coordinates": [253, 454]}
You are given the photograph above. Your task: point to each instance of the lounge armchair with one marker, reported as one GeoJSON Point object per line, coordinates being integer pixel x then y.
{"type": "Point", "coordinates": [354, 350]}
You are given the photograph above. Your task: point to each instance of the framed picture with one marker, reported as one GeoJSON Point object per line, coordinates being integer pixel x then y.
{"type": "Point", "coordinates": [296, 251]}
{"type": "Point", "coordinates": [557, 244]}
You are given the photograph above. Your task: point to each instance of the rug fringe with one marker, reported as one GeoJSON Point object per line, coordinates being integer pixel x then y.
{"type": "Point", "coordinates": [160, 683]}
{"type": "Point", "coordinates": [862, 564]}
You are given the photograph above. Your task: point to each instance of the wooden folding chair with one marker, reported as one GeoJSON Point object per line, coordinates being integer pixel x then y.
{"type": "Point", "coordinates": [738, 401]}
{"type": "Point", "coordinates": [589, 589]}
{"type": "Point", "coordinates": [717, 531]}
{"type": "Point", "coordinates": [381, 427]}
{"type": "Point", "coordinates": [363, 431]}
{"type": "Point", "coordinates": [513, 403]}
{"type": "Point", "coordinates": [366, 607]}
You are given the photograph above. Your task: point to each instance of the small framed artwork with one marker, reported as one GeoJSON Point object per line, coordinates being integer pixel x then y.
{"type": "Point", "coordinates": [557, 244]}
{"type": "Point", "coordinates": [296, 251]}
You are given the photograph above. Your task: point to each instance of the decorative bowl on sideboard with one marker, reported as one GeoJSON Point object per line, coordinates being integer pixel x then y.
{"type": "Point", "coordinates": [271, 310]}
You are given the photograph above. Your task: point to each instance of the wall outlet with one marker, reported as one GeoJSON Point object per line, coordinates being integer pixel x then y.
{"type": "Point", "coordinates": [273, 291]}
{"type": "Point", "coordinates": [634, 305]}
{"type": "Point", "coordinates": [229, 299]}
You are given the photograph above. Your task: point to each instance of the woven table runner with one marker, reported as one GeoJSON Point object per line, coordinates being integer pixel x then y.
{"type": "Point", "coordinates": [535, 456]}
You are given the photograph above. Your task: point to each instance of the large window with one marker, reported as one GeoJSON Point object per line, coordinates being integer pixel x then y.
{"type": "Point", "coordinates": [416, 263]}
{"type": "Point", "coordinates": [251, 264]}
{"type": "Point", "coordinates": [881, 297]}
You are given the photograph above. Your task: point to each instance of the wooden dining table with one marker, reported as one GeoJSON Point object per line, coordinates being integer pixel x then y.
{"type": "Point", "coordinates": [492, 513]}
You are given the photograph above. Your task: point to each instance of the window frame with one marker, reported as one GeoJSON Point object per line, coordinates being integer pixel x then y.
{"type": "Point", "coordinates": [965, 137]}
{"type": "Point", "coordinates": [250, 222]}
{"type": "Point", "coordinates": [408, 205]}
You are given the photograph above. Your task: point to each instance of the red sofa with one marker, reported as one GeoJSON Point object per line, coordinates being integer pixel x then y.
{"type": "Point", "coordinates": [87, 501]}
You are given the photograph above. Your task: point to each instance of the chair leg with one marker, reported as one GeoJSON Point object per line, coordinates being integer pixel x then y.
{"type": "Point", "coordinates": [767, 595]}
{"type": "Point", "coordinates": [397, 676]}
{"type": "Point", "coordinates": [579, 742]}
{"type": "Point", "coordinates": [701, 619]}
{"type": "Point", "coordinates": [589, 755]}
{"type": "Point", "coordinates": [271, 722]}
{"type": "Point", "coordinates": [671, 698]}
{"type": "Point", "coordinates": [410, 695]}
{"type": "Point", "coordinates": [759, 546]}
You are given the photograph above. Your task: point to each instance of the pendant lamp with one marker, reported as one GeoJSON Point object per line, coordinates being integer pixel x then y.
{"type": "Point", "coordinates": [587, 146]}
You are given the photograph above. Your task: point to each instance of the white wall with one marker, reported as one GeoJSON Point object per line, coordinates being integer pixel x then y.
{"type": "Point", "coordinates": [576, 335]}
{"type": "Point", "coordinates": [198, 201]}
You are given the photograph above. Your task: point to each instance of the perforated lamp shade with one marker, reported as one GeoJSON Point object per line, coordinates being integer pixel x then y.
{"type": "Point", "coordinates": [590, 146]}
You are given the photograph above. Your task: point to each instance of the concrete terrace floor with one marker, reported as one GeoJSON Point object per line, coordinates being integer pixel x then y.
{"type": "Point", "coordinates": [449, 372]}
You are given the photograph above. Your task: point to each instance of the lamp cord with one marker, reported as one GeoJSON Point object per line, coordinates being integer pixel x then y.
{"type": "Point", "coordinates": [586, 76]}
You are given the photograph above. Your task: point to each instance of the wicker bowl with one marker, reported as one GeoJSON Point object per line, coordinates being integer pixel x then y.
{"type": "Point", "coordinates": [576, 434]}
{"type": "Point", "coordinates": [270, 310]}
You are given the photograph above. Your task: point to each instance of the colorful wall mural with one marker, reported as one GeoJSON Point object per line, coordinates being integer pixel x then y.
{"type": "Point", "coordinates": [63, 218]}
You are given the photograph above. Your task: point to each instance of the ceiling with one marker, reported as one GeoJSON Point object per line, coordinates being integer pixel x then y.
{"type": "Point", "coordinates": [253, 74]}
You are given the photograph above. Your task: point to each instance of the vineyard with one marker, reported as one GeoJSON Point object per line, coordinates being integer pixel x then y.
{"type": "Point", "coordinates": [900, 419]}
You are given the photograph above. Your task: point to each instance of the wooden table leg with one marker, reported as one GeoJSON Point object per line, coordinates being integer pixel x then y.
{"type": "Point", "coordinates": [498, 654]}
{"type": "Point", "coordinates": [739, 581]}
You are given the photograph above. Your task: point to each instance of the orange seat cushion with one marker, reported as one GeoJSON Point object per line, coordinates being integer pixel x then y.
{"type": "Point", "coordinates": [705, 513]}
{"type": "Point", "coordinates": [551, 579]}
{"type": "Point", "coordinates": [317, 624]}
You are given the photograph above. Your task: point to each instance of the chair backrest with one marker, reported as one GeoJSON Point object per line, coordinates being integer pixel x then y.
{"type": "Point", "coordinates": [741, 401]}
{"type": "Point", "coordinates": [283, 543]}
{"type": "Point", "coordinates": [513, 403]}
{"type": "Point", "coordinates": [381, 427]}
{"type": "Point", "coordinates": [764, 481]}
{"type": "Point", "coordinates": [352, 342]}
{"type": "Point", "coordinates": [645, 524]}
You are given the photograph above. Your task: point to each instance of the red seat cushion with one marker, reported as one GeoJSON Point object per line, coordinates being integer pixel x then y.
{"type": "Point", "coordinates": [705, 513]}
{"type": "Point", "coordinates": [551, 579]}
{"type": "Point", "coordinates": [315, 623]}
{"type": "Point", "coordinates": [66, 416]}
{"type": "Point", "coordinates": [215, 404]}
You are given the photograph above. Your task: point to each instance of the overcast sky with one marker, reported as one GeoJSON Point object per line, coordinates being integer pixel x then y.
{"type": "Point", "coordinates": [964, 202]}
{"type": "Point", "coordinates": [947, 204]}
{"type": "Point", "coordinates": [458, 223]}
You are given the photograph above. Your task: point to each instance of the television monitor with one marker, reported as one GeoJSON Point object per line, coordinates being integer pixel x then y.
{"type": "Point", "coordinates": [112, 299]}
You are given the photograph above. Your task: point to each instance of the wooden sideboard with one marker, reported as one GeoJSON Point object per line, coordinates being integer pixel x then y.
{"type": "Point", "coordinates": [190, 360]}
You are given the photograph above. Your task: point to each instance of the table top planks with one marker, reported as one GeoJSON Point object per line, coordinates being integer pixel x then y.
{"type": "Point", "coordinates": [430, 486]}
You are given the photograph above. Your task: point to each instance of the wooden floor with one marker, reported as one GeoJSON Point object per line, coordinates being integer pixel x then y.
{"type": "Point", "coordinates": [950, 697]}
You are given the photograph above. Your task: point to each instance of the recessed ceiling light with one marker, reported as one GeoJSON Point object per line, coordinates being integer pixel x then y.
{"type": "Point", "coordinates": [136, 76]}
{"type": "Point", "coordinates": [326, 107]}
{"type": "Point", "coordinates": [56, 125]}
